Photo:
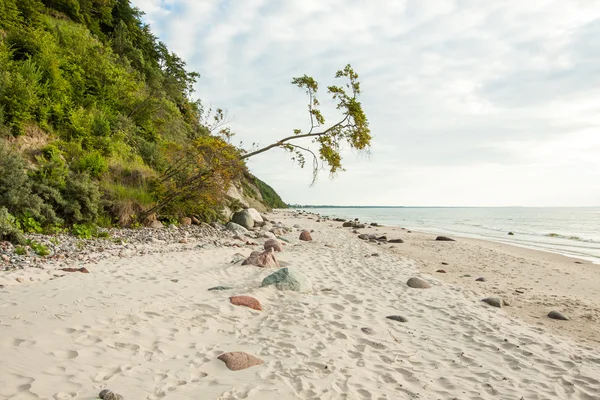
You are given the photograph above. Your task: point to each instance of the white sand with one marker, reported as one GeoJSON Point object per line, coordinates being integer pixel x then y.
{"type": "Point", "coordinates": [127, 326]}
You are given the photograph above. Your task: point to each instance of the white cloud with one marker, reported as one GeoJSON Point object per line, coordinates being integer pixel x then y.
{"type": "Point", "coordinates": [470, 102]}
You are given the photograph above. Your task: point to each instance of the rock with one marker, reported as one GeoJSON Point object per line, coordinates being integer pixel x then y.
{"type": "Point", "coordinates": [374, 224]}
{"type": "Point", "coordinates": [382, 238]}
{"type": "Point", "coordinates": [557, 315]}
{"type": "Point", "coordinates": [156, 224]}
{"type": "Point", "coordinates": [482, 279]}
{"type": "Point", "coordinates": [235, 228]}
{"type": "Point", "coordinates": [296, 226]}
{"type": "Point", "coordinates": [444, 239]}
{"type": "Point", "coordinates": [83, 270]}
{"type": "Point", "coordinates": [237, 257]}
{"type": "Point", "coordinates": [243, 218]}
{"type": "Point", "coordinates": [360, 226]}
{"type": "Point", "coordinates": [246, 301]}
{"type": "Point", "coordinates": [266, 259]}
{"type": "Point", "coordinates": [305, 236]}
{"type": "Point", "coordinates": [185, 221]}
{"type": "Point", "coordinates": [219, 288]}
{"type": "Point", "coordinates": [398, 318]}
{"type": "Point", "coordinates": [511, 234]}
{"type": "Point", "coordinates": [339, 219]}
{"type": "Point", "coordinates": [288, 279]}
{"type": "Point", "coordinates": [174, 280]}
{"type": "Point", "coordinates": [347, 224]}
{"type": "Point", "coordinates": [363, 236]}
{"type": "Point", "coordinates": [417, 283]}
{"type": "Point", "coordinates": [269, 235]}
{"type": "Point", "coordinates": [238, 360]}
{"type": "Point", "coordinates": [20, 279]}
{"type": "Point", "coordinates": [395, 241]}
{"type": "Point", "coordinates": [273, 244]}
{"type": "Point", "coordinates": [444, 263]}
{"type": "Point", "coordinates": [441, 271]}
{"type": "Point", "coordinates": [195, 221]}
{"type": "Point", "coordinates": [183, 241]}
{"type": "Point", "coordinates": [368, 331]}
{"type": "Point", "coordinates": [255, 215]}
{"type": "Point", "coordinates": [109, 395]}
{"type": "Point", "coordinates": [375, 255]}
{"type": "Point", "coordinates": [495, 301]}
{"type": "Point", "coordinates": [355, 231]}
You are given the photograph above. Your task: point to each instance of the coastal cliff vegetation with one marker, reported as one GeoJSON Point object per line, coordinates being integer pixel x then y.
{"type": "Point", "coordinates": [99, 125]}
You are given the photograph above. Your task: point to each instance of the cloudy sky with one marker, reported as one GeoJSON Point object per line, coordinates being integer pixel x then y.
{"type": "Point", "coordinates": [471, 102]}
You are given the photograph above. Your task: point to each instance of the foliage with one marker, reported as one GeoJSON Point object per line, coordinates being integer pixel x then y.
{"type": "Point", "coordinates": [119, 136]}
{"type": "Point", "coordinates": [270, 197]}
{"type": "Point", "coordinates": [38, 248]}
{"type": "Point", "coordinates": [352, 128]}
{"type": "Point", "coordinates": [20, 250]}
{"type": "Point", "coordinates": [82, 231]}
{"type": "Point", "coordinates": [9, 230]}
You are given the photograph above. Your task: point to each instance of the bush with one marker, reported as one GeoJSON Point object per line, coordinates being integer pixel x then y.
{"type": "Point", "coordinates": [8, 228]}
{"type": "Point", "coordinates": [38, 248]}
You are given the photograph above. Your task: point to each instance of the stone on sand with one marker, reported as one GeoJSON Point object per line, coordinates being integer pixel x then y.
{"type": "Point", "coordinates": [398, 318]}
{"type": "Point", "coordinates": [367, 331]}
{"type": "Point", "coordinates": [266, 259]}
{"type": "Point", "coordinates": [238, 360]}
{"type": "Point", "coordinates": [273, 244]}
{"type": "Point", "coordinates": [495, 302]}
{"type": "Point", "coordinates": [255, 215]}
{"type": "Point", "coordinates": [441, 271]}
{"type": "Point", "coordinates": [218, 288]}
{"type": "Point", "coordinates": [288, 279]}
{"type": "Point", "coordinates": [444, 239]}
{"type": "Point", "coordinates": [107, 394]}
{"type": "Point", "coordinates": [395, 241]}
{"type": "Point", "coordinates": [305, 236]}
{"type": "Point", "coordinates": [417, 283]}
{"type": "Point", "coordinates": [235, 228]}
{"type": "Point", "coordinates": [482, 279]}
{"type": "Point", "coordinates": [557, 315]}
{"type": "Point", "coordinates": [246, 301]}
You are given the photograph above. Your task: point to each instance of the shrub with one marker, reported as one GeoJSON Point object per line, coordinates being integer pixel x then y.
{"type": "Point", "coordinates": [8, 228]}
{"type": "Point", "coordinates": [82, 231]}
{"type": "Point", "coordinates": [21, 251]}
{"type": "Point", "coordinates": [38, 248]}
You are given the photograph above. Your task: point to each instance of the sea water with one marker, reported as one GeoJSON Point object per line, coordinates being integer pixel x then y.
{"type": "Point", "coordinates": [570, 231]}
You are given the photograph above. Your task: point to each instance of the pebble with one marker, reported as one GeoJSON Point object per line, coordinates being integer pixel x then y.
{"type": "Point", "coordinates": [441, 271]}
{"type": "Point", "coordinates": [482, 279]}
{"type": "Point", "coordinates": [557, 315]}
{"type": "Point", "coordinates": [398, 318]}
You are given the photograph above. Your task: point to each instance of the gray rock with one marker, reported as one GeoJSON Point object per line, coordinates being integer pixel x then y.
{"type": "Point", "coordinates": [482, 279]}
{"type": "Point", "coordinates": [557, 315]}
{"type": "Point", "coordinates": [417, 283]}
{"type": "Point", "coordinates": [347, 224]}
{"type": "Point", "coordinates": [367, 331]}
{"type": "Point", "coordinates": [235, 228]}
{"type": "Point", "coordinates": [156, 225]}
{"type": "Point", "coordinates": [288, 279]}
{"type": "Point", "coordinates": [219, 288]}
{"type": "Point", "coordinates": [296, 226]}
{"type": "Point", "coordinates": [398, 318]}
{"type": "Point", "coordinates": [495, 302]}
{"type": "Point", "coordinates": [363, 236]}
{"type": "Point", "coordinates": [395, 241]}
{"type": "Point", "coordinates": [444, 239]}
{"type": "Point", "coordinates": [243, 218]}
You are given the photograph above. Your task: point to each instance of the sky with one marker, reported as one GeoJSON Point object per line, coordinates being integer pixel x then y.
{"type": "Point", "coordinates": [470, 102]}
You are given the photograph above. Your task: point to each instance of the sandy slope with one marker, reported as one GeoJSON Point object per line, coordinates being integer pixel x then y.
{"type": "Point", "coordinates": [130, 327]}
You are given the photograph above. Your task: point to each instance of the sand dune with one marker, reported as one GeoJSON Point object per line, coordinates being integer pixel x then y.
{"type": "Point", "coordinates": [148, 328]}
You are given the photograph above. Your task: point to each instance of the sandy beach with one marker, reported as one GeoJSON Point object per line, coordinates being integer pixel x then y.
{"type": "Point", "coordinates": [147, 327]}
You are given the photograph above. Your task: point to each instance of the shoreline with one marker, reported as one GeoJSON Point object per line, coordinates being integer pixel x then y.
{"type": "Point", "coordinates": [147, 326]}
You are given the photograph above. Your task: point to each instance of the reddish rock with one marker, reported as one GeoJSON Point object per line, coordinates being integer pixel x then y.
{"type": "Point", "coordinates": [273, 244]}
{"type": "Point", "coordinates": [83, 270]}
{"type": "Point", "coordinates": [266, 259]}
{"type": "Point", "coordinates": [238, 360]}
{"type": "Point", "coordinates": [246, 301]}
{"type": "Point", "coordinates": [305, 235]}
{"type": "Point", "coordinates": [441, 271]}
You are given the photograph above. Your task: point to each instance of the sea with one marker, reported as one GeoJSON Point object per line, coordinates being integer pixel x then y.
{"type": "Point", "coordinates": [571, 231]}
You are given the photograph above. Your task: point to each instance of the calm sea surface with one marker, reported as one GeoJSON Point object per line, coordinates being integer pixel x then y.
{"type": "Point", "coordinates": [565, 230]}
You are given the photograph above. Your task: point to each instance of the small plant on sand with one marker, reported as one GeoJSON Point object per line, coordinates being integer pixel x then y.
{"type": "Point", "coordinates": [82, 231]}
{"type": "Point", "coordinates": [21, 251]}
{"type": "Point", "coordinates": [38, 248]}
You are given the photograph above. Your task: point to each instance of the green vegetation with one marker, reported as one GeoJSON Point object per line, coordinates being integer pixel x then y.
{"type": "Point", "coordinates": [98, 126]}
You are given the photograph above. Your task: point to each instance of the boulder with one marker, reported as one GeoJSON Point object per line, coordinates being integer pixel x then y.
{"type": "Point", "coordinates": [347, 224]}
{"type": "Point", "coordinates": [395, 241]}
{"type": "Point", "coordinates": [185, 221]}
{"type": "Point", "coordinates": [266, 259]}
{"type": "Point", "coordinates": [360, 226]}
{"type": "Point", "coordinates": [273, 244]}
{"type": "Point", "coordinates": [305, 236]}
{"type": "Point", "coordinates": [417, 283]}
{"type": "Point", "coordinates": [363, 236]}
{"type": "Point", "coordinates": [246, 301]}
{"type": "Point", "coordinates": [255, 215]}
{"type": "Point", "coordinates": [235, 228]}
{"type": "Point", "coordinates": [156, 224]}
{"type": "Point", "coordinates": [288, 279]}
{"type": "Point", "coordinates": [238, 360]}
{"type": "Point", "coordinates": [339, 219]}
{"type": "Point", "coordinates": [557, 315]}
{"type": "Point", "coordinates": [269, 235]}
{"type": "Point", "coordinates": [243, 218]}
{"type": "Point", "coordinates": [444, 239]}
{"type": "Point", "coordinates": [374, 224]}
